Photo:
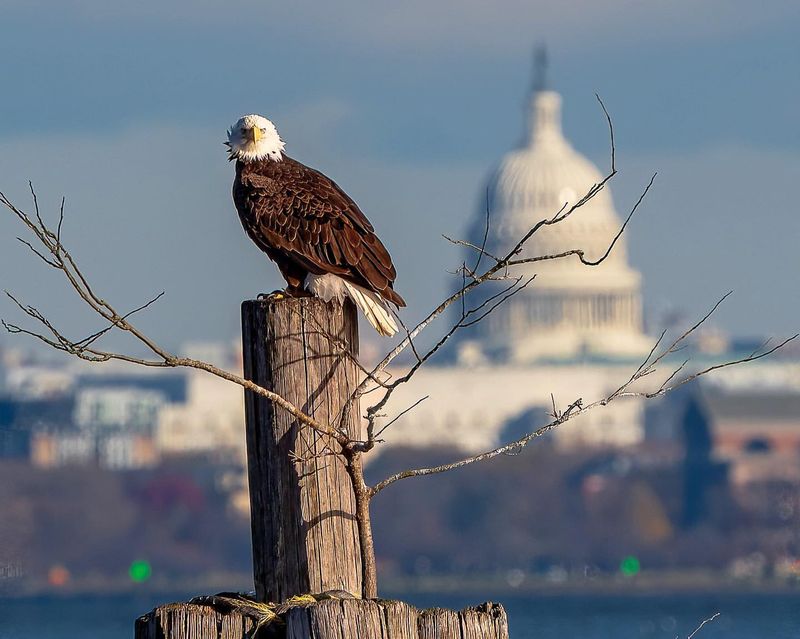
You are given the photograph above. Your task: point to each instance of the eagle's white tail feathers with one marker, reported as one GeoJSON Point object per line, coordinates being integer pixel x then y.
{"type": "Point", "coordinates": [373, 307]}
{"type": "Point", "coordinates": [331, 286]}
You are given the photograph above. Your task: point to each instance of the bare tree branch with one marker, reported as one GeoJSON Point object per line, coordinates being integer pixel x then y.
{"type": "Point", "coordinates": [579, 252]}
{"type": "Point", "coordinates": [485, 233]}
{"type": "Point", "coordinates": [90, 339]}
{"type": "Point", "coordinates": [499, 270]}
{"type": "Point", "coordinates": [61, 259]}
{"type": "Point", "coordinates": [611, 133]}
{"type": "Point", "coordinates": [504, 295]}
{"type": "Point", "coordinates": [36, 252]}
{"type": "Point", "coordinates": [48, 247]}
{"type": "Point", "coordinates": [703, 623]}
{"type": "Point", "coordinates": [399, 415]}
{"type": "Point", "coordinates": [502, 263]}
{"type": "Point", "coordinates": [57, 256]}
{"type": "Point", "coordinates": [577, 407]}
{"type": "Point", "coordinates": [373, 412]}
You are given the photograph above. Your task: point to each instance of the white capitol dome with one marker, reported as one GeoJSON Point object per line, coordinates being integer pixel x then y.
{"type": "Point", "coordinates": [570, 310]}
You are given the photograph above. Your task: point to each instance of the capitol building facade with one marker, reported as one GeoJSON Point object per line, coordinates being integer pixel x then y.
{"type": "Point", "coordinates": [575, 332]}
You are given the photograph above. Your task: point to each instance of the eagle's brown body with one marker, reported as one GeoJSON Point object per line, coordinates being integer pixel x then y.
{"type": "Point", "coordinates": [307, 225]}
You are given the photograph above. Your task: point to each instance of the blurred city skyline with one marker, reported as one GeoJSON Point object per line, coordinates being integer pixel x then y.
{"type": "Point", "coordinates": [125, 109]}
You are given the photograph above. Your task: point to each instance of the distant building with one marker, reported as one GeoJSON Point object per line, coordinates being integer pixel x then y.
{"type": "Point", "coordinates": [127, 450]}
{"type": "Point", "coordinates": [570, 311]}
{"type": "Point", "coordinates": [577, 332]}
{"type": "Point", "coordinates": [38, 382]}
{"type": "Point", "coordinates": [63, 447]}
{"type": "Point", "coordinates": [117, 409]}
{"type": "Point", "coordinates": [22, 417]}
{"type": "Point", "coordinates": [750, 415]}
{"type": "Point", "coordinates": [171, 384]}
{"type": "Point", "coordinates": [757, 429]}
{"type": "Point", "coordinates": [754, 422]}
{"type": "Point", "coordinates": [220, 354]}
{"type": "Point", "coordinates": [56, 417]}
{"type": "Point", "coordinates": [120, 416]}
{"type": "Point", "coordinates": [211, 421]}
{"type": "Point", "coordinates": [574, 332]}
{"type": "Point", "coordinates": [112, 428]}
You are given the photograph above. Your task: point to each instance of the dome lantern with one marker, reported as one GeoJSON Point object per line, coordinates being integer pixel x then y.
{"type": "Point", "coordinates": [544, 125]}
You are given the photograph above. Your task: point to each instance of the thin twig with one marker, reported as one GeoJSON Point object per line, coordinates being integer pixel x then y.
{"type": "Point", "coordinates": [62, 260]}
{"type": "Point", "coordinates": [577, 407]}
{"type": "Point", "coordinates": [703, 623]}
{"type": "Point", "coordinates": [502, 263]}
{"type": "Point", "coordinates": [399, 415]}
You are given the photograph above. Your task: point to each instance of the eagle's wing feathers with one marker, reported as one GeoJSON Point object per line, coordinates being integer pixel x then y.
{"type": "Point", "coordinates": [305, 215]}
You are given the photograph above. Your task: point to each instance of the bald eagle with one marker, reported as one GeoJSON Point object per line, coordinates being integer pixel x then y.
{"type": "Point", "coordinates": [318, 237]}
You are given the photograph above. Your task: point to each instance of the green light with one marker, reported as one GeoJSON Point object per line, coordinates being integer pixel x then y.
{"type": "Point", "coordinates": [140, 571]}
{"type": "Point", "coordinates": [630, 566]}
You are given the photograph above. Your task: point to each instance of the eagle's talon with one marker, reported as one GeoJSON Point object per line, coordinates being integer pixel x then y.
{"type": "Point", "coordinates": [274, 296]}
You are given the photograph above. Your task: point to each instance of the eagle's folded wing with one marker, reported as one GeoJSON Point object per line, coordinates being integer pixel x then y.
{"type": "Point", "coordinates": [307, 216]}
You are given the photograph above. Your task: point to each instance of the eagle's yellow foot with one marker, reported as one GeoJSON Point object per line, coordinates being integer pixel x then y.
{"type": "Point", "coordinates": [274, 296]}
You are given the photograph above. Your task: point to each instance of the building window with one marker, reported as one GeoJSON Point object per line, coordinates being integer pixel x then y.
{"type": "Point", "coordinates": [758, 445]}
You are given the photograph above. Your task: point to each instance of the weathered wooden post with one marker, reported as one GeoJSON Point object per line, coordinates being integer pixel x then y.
{"type": "Point", "coordinates": [305, 536]}
{"type": "Point", "coordinates": [304, 529]}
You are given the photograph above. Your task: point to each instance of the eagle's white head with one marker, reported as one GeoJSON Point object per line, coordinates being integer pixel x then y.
{"type": "Point", "coordinates": [254, 138]}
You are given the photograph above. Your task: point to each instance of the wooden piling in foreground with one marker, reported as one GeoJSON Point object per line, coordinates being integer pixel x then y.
{"type": "Point", "coordinates": [305, 537]}
{"type": "Point", "coordinates": [328, 619]}
{"type": "Point", "coordinates": [379, 619]}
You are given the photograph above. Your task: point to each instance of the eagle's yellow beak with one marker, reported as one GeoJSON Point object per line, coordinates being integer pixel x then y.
{"type": "Point", "coordinates": [255, 134]}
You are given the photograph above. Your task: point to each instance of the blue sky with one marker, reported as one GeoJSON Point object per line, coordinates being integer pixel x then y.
{"type": "Point", "coordinates": [123, 109]}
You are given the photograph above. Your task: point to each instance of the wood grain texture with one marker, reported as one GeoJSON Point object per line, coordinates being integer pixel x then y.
{"type": "Point", "coordinates": [485, 620]}
{"type": "Point", "coordinates": [329, 619]}
{"type": "Point", "coordinates": [401, 619]}
{"type": "Point", "coordinates": [380, 619]}
{"type": "Point", "coordinates": [305, 537]}
{"type": "Point", "coordinates": [438, 623]}
{"type": "Point", "coordinates": [191, 621]}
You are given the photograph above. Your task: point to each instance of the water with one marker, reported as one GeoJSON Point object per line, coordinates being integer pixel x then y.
{"type": "Point", "coordinates": [554, 617]}
{"type": "Point", "coordinates": [650, 616]}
